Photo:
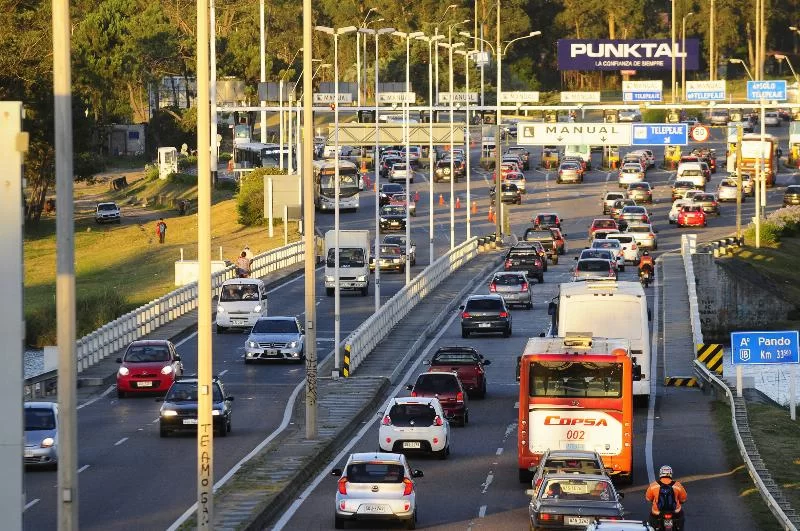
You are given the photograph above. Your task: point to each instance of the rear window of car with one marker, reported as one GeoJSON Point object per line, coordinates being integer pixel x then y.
{"type": "Point", "coordinates": [638, 228]}
{"type": "Point", "coordinates": [538, 235]}
{"type": "Point", "coordinates": [587, 466]}
{"type": "Point", "coordinates": [592, 265]}
{"type": "Point", "coordinates": [731, 184]}
{"type": "Point", "coordinates": [436, 383]}
{"type": "Point", "coordinates": [614, 196]}
{"type": "Point", "coordinates": [455, 358]}
{"type": "Point", "coordinates": [639, 186]}
{"type": "Point", "coordinates": [622, 239]}
{"type": "Point", "coordinates": [691, 208]}
{"type": "Point", "coordinates": [605, 245]}
{"type": "Point", "coordinates": [508, 280]}
{"type": "Point", "coordinates": [522, 253]}
{"type": "Point", "coordinates": [704, 197]}
{"type": "Point", "coordinates": [374, 473]}
{"type": "Point", "coordinates": [605, 223]}
{"type": "Point", "coordinates": [484, 305]}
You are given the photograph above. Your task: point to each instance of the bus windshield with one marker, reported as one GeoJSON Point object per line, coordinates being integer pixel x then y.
{"type": "Point", "coordinates": [348, 183]}
{"type": "Point", "coordinates": [560, 379]}
{"type": "Point", "coordinates": [605, 318]}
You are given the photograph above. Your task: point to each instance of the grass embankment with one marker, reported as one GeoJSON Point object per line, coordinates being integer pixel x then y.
{"type": "Point", "coordinates": [121, 267]}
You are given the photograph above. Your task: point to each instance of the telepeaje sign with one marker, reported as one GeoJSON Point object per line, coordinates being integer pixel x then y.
{"type": "Point", "coordinates": [615, 54]}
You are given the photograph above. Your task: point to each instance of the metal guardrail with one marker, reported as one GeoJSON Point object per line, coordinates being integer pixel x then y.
{"type": "Point", "coordinates": [769, 490]}
{"type": "Point", "coordinates": [366, 337]}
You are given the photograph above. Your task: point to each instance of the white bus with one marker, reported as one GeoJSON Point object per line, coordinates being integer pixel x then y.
{"type": "Point", "coordinates": [608, 309]}
{"type": "Point", "coordinates": [256, 155]}
{"type": "Point", "coordinates": [324, 190]}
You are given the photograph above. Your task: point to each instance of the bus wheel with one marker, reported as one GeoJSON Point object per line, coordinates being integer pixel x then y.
{"type": "Point", "coordinates": [525, 475]}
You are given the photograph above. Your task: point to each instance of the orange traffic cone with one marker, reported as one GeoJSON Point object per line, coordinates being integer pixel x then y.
{"type": "Point", "coordinates": [458, 202]}
{"type": "Point", "coordinates": [441, 200]}
{"type": "Point", "coordinates": [474, 207]}
{"type": "Point", "coordinates": [416, 196]}
{"type": "Point", "coordinates": [491, 214]}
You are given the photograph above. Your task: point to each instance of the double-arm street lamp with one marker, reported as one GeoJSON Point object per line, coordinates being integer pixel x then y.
{"type": "Point", "coordinates": [336, 186]}
{"type": "Point", "coordinates": [450, 47]}
{"type": "Point", "coordinates": [358, 54]}
{"type": "Point", "coordinates": [782, 57]}
{"type": "Point", "coordinates": [431, 154]}
{"type": "Point", "coordinates": [281, 117]}
{"type": "Point", "coordinates": [740, 62]}
{"type": "Point", "coordinates": [683, 54]}
{"type": "Point", "coordinates": [436, 52]}
{"type": "Point", "coordinates": [467, 55]}
{"type": "Point", "coordinates": [375, 163]}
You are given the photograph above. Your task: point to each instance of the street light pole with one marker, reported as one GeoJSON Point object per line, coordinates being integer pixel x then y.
{"type": "Point", "coordinates": [712, 59]}
{"type": "Point", "coordinates": [358, 54]}
{"type": "Point", "coordinates": [683, 56]}
{"type": "Point", "coordinates": [781, 57]}
{"type": "Point", "coordinates": [466, 55]}
{"type": "Point", "coordinates": [672, 51]}
{"type": "Point", "coordinates": [281, 117]}
{"type": "Point", "coordinates": [263, 78]}
{"type": "Point", "coordinates": [450, 47]}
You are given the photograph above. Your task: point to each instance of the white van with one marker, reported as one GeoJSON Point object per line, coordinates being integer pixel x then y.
{"type": "Point", "coordinates": [584, 152]}
{"type": "Point", "coordinates": [241, 302]}
{"type": "Point", "coordinates": [691, 171]}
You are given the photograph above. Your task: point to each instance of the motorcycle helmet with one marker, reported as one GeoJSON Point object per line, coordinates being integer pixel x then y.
{"type": "Point", "coordinates": [646, 253]}
{"type": "Point", "coordinates": [665, 471]}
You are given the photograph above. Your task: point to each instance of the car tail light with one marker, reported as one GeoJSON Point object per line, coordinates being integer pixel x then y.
{"type": "Point", "coordinates": [715, 203]}
{"type": "Point", "coordinates": [437, 421]}
{"type": "Point", "coordinates": [343, 485]}
{"type": "Point", "coordinates": [508, 264]}
{"type": "Point", "coordinates": [652, 235]}
{"type": "Point", "coordinates": [550, 517]}
{"type": "Point", "coordinates": [524, 286]}
{"type": "Point", "coordinates": [538, 482]}
{"type": "Point", "coordinates": [459, 396]}
{"type": "Point", "coordinates": [493, 287]}
{"type": "Point", "coordinates": [387, 420]}
{"type": "Point", "coordinates": [408, 487]}
{"type": "Point", "coordinates": [644, 218]}
{"type": "Point", "coordinates": [538, 263]}
{"type": "Point", "coordinates": [465, 315]}
{"type": "Point", "coordinates": [413, 394]}
{"type": "Point", "coordinates": [560, 172]}
{"type": "Point", "coordinates": [503, 314]}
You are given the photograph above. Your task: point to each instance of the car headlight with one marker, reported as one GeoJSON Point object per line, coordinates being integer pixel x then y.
{"type": "Point", "coordinates": [329, 278]}
{"type": "Point", "coordinates": [257, 308]}
{"type": "Point", "coordinates": [293, 344]}
{"type": "Point", "coordinates": [396, 260]}
{"type": "Point", "coordinates": [252, 344]}
{"type": "Point", "coordinates": [48, 442]}
{"type": "Point", "coordinates": [220, 309]}
{"type": "Point", "coordinates": [123, 371]}
{"type": "Point", "coordinates": [383, 220]}
{"type": "Point", "coordinates": [362, 278]}
{"type": "Point", "coordinates": [169, 413]}
{"type": "Point", "coordinates": [215, 412]}
{"type": "Point", "coordinates": [166, 370]}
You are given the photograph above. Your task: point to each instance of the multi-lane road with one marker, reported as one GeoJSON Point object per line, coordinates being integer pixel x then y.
{"type": "Point", "coordinates": [130, 477]}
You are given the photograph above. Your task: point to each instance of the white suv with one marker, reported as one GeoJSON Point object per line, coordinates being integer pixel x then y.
{"type": "Point", "coordinates": [691, 171]}
{"type": "Point", "coordinates": [415, 424]}
{"type": "Point", "coordinates": [107, 213]}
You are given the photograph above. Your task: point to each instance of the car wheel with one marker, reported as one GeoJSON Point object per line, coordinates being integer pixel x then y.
{"type": "Point", "coordinates": [364, 291]}
{"type": "Point", "coordinates": [228, 426]}
{"type": "Point", "coordinates": [163, 432]}
{"type": "Point", "coordinates": [465, 420]}
{"type": "Point", "coordinates": [338, 522]}
{"type": "Point", "coordinates": [223, 431]}
{"type": "Point", "coordinates": [441, 455]}
{"type": "Point", "coordinates": [412, 523]}
{"type": "Point", "coordinates": [247, 361]}
{"type": "Point", "coordinates": [529, 306]}
{"type": "Point", "coordinates": [482, 392]}
{"type": "Point", "coordinates": [507, 332]}
{"type": "Point", "coordinates": [540, 278]}
{"type": "Point", "coordinates": [525, 476]}
{"type": "Point", "coordinates": [622, 268]}
{"type": "Point", "coordinates": [220, 329]}
{"type": "Point", "coordinates": [329, 291]}
{"type": "Point", "coordinates": [464, 333]}
{"type": "Point", "coordinates": [544, 264]}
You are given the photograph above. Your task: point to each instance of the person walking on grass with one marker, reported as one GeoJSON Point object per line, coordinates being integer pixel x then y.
{"type": "Point", "coordinates": [161, 230]}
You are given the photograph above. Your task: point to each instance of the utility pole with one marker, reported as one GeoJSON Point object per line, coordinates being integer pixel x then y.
{"type": "Point", "coordinates": [739, 134]}
{"type": "Point", "coordinates": [67, 493]}
{"type": "Point", "coordinates": [498, 157]}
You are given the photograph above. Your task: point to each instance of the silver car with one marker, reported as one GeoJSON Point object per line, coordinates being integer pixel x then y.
{"type": "Point", "coordinates": [615, 247]}
{"type": "Point", "coordinates": [376, 486]}
{"type": "Point", "coordinates": [644, 234]}
{"type": "Point", "coordinates": [630, 173]}
{"type": "Point", "coordinates": [609, 199]}
{"type": "Point", "coordinates": [275, 338]}
{"type": "Point", "coordinates": [41, 434]}
{"type": "Point", "coordinates": [726, 191]}
{"type": "Point", "coordinates": [594, 269]}
{"type": "Point", "coordinates": [569, 172]}
{"type": "Point", "coordinates": [513, 286]}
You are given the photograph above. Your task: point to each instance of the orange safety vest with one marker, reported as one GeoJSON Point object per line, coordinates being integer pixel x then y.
{"type": "Point", "coordinates": [652, 494]}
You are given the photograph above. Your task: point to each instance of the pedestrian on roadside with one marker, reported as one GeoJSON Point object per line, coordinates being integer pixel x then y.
{"type": "Point", "coordinates": [248, 253]}
{"type": "Point", "coordinates": [161, 230]}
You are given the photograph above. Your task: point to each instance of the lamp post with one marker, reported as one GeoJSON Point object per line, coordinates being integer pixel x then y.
{"type": "Point", "coordinates": [467, 55]}
{"type": "Point", "coordinates": [450, 47]}
{"type": "Point", "coordinates": [358, 55]}
{"type": "Point", "coordinates": [406, 139]}
{"type": "Point", "coordinates": [740, 62]}
{"type": "Point", "coordinates": [431, 154]}
{"type": "Point", "coordinates": [712, 58]}
{"type": "Point", "coordinates": [280, 107]}
{"type": "Point", "coordinates": [364, 55]}
{"type": "Point", "coordinates": [672, 51]}
{"type": "Point", "coordinates": [375, 159]}
{"type": "Point", "coordinates": [782, 57]}
{"type": "Point", "coordinates": [336, 295]}
{"type": "Point", "coordinates": [436, 57]}
{"type": "Point", "coordinates": [683, 56]}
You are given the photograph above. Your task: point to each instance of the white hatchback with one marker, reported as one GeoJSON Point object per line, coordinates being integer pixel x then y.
{"type": "Point", "coordinates": [630, 249]}
{"type": "Point", "coordinates": [614, 246]}
{"type": "Point", "coordinates": [676, 207]}
{"type": "Point", "coordinates": [415, 424]}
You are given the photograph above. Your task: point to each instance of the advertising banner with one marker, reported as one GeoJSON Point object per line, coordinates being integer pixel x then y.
{"type": "Point", "coordinates": [631, 54]}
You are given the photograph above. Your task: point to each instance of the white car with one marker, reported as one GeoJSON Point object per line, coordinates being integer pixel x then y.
{"type": "Point", "coordinates": [644, 234]}
{"type": "Point", "coordinates": [676, 207]}
{"type": "Point", "coordinates": [517, 178]}
{"type": "Point", "coordinates": [630, 173]}
{"type": "Point", "coordinates": [376, 486]}
{"type": "Point", "coordinates": [629, 115]}
{"type": "Point", "coordinates": [399, 172]}
{"type": "Point", "coordinates": [107, 213]}
{"type": "Point", "coordinates": [726, 191]}
{"type": "Point", "coordinates": [415, 424]}
{"type": "Point", "coordinates": [630, 249]}
{"type": "Point", "coordinates": [691, 171]}
{"type": "Point", "coordinates": [771, 119]}
{"type": "Point", "coordinates": [612, 245]}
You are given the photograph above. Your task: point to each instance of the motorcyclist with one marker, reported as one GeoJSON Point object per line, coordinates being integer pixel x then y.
{"type": "Point", "coordinates": [243, 265]}
{"type": "Point", "coordinates": [646, 263]}
{"type": "Point", "coordinates": [666, 496]}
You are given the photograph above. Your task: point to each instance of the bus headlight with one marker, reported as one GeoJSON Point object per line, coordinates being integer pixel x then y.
{"type": "Point", "coordinates": [329, 278]}
{"type": "Point", "coordinates": [362, 278]}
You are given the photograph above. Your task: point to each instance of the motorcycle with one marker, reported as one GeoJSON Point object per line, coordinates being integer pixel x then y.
{"type": "Point", "coordinates": [666, 522]}
{"type": "Point", "coordinates": [646, 276]}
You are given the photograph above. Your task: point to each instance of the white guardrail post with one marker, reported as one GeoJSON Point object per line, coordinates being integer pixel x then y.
{"type": "Point", "coordinates": [688, 248]}
{"type": "Point", "coordinates": [366, 337]}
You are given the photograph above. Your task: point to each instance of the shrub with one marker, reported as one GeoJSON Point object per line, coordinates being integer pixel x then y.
{"type": "Point", "coordinates": [187, 162]}
{"type": "Point", "coordinates": [786, 220]}
{"type": "Point", "coordinates": [770, 233]}
{"type": "Point", "coordinates": [86, 165]}
{"type": "Point", "coordinates": [151, 172]}
{"type": "Point", "coordinates": [182, 178]}
{"type": "Point", "coordinates": [224, 156]}
{"type": "Point", "coordinates": [250, 200]}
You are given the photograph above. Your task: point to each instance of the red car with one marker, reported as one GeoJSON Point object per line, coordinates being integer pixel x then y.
{"type": "Point", "coordinates": [602, 224]}
{"type": "Point", "coordinates": [149, 366]}
{"type": "Point", "coordinates": [692, 216]}
{"type": "Point", "coordinates": [545, 220]}
{"type": "Point", "coordinates": [446, 386]}
{"type": "Point", "coordinates": [464, 361]}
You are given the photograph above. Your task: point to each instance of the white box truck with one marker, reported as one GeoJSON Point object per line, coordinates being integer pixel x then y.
{"type": "Point", "coordinates": [353, 261]}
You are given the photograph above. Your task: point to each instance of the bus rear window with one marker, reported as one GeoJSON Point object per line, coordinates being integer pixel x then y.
{"type": "Point", "coordinates": [567, 379]}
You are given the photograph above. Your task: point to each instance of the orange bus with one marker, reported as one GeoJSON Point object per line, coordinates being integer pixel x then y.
{"type": "Point", "coordinates": [576, 393]}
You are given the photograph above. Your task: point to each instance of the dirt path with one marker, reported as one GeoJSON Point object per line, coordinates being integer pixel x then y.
{"type": "Point", "coordinates": [133, 209]}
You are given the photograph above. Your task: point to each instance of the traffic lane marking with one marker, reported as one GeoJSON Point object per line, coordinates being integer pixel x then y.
{"type": "Point", "coordinates": [120, 441]}
{"type": "Point", "coordinates": [30, 504]}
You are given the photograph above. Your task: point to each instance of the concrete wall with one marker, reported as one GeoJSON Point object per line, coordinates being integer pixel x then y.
{"type": "Point", "coordinates": [732, 296]}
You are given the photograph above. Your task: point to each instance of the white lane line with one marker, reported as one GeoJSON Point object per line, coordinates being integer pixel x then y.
{"type": "Point", "coordinates": [120, 441]}
{"type": "Point", "coordinates": [516, 405]}
{"type": "Point", "coordinates": [222, 373]}
{"type": "Point", "coordinates": [648, 445]}
{"type": "Point", "coordinates": [84, 467]}
{"type": "Point", "coordinates": [30, 504]}
{"type": "Point", "coordinates": [482, 511]}
{"type": "Point", "coordinates": [155, 421]}
{"type": "Point", "coordinates": [98, 397]}
{"type": "Point", "coordinates": [485, 484]}
{"type": "Point", "coordinates": [499, 451]}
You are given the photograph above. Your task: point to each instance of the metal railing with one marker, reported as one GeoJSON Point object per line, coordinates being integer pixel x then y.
{"type": "Point", "coordinates": [366, 337]}
{"type": "Point", "coordinates": [769, 490]}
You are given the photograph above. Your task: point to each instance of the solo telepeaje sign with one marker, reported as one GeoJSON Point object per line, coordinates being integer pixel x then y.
{"type": "Point", "coordinates": [630, 54]}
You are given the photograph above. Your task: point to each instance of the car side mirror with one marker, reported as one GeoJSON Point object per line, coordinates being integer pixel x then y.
{"type": "Point", "coordinates": [336, 472]}
{"type": "Point", "coordinates": [426, 362]}
{"type": "Point", "coordinates": [119, 360]}
{"type": "Point", "coordinates": [576, 258]}
{"type": "Point", "coordinates": [409, 387]}
{"type": "Point", "coordinates": [487, 362]}
{"type": "Point", "coordinates": [461, 307]}
{"type": "Point", "coordinates": [177, 357]}
{"type": "Point", "coordinates": [229, 399]}
{"type": "Point", "coordinates": [417, 473]}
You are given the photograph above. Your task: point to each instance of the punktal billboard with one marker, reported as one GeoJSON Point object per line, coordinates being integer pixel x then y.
{"type": "Point", "coordinates": [631, 54]}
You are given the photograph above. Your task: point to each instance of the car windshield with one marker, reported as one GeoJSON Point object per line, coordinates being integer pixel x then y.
{"type": "Point", "coordinates": [393, 210]}
{"type": "Point", "coordinates": [391, 250]}
{"type": "Point", "coordinates": [39, 419]}
{"type": "Point", "coordinates": [508, 280]}
{"type": "Point", "coordinates": [592, 266]}
{"type": "Point", "coordinates": [374, 473]}
{"type": "Point", "coordinates": [395, 240]}
{"type": "Point", "coordinates": [187, 392]}
{"type": "Point", "coordinates": [347, 257]}
{"type": "Point", "coordinates": [433, 382]}
{"type": "Point", "coordinates": [275, 326]}
{"type": "Point", "coordinates": [238, 292]}
{"type": "Point", "coordinates": [578, 489]}
{"type": "Point", "coordinates": [106, 206]}
{"type": "Point", "coordinates": [146, 354]}
{"type": "Point", "coordinates": [559, 379]}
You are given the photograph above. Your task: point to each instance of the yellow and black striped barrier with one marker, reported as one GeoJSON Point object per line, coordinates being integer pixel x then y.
{"type": "Point", "coordinates": [680, 381]}
{"type": "Point", "coordinates": [346, 362]}
{"type": "Point", "coordinates": [710, 355]}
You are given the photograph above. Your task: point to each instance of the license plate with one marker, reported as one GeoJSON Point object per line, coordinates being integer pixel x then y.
{"type": "Point", "coordinates": [573, 446]}
{"type": "Point", "coordinates": [239, 321]}
{"type": "Point", "coordinates": [190, 421]}
{"type": "Point", "coordinates": [374, 508]}
{"type": "Point", "coordinates": [574, 520]}
{"type": "Point", "coordinates": [144, 384]}
{"type": "Point", "coordinates": [28, 453]}
{"type": "Point", "coordinates": [484, 325]}
{"type": "Point", "coordinates": [411, 444]}
{"type": "Point", "coordinates": [271, 352]}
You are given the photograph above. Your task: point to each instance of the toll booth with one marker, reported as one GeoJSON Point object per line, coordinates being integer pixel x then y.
{"type": "Point", "coordinates": [551, 117]}
{"type": "Point", "coordinates": [611, 157]}
{"type": "Point", "coordinates": [610, 116]}
{"type": "Point", "coordinates": [167, 161]}
{"type": "Point", "coordinates": [793, 158]}
{"type": "Point", "coordinates": [366, 117]}
{"type": "Point", "coordinates": [672, 155]}
{"type": "Point", "coordinates": [550, 157]}
{"type": "Point", "coordinates": [488, 147]}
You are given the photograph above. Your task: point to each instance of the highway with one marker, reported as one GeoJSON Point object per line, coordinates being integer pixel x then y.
{"type": "Point", "coordinates": [153, 479]}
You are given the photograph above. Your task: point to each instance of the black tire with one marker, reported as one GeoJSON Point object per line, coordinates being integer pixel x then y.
{"type": "Point", "coordinates": [464, 333]}
{"type": "Point", "coordinates": [525, 476]}
{"type": "Point", "coordinates": [330, 292]}
{"type": "Point", "coordinates": [529, 306]}
{"type": "Point", "coordinates": [222, 432]}
{"type": "Point", "coordinates": [465, 419]}
{"type": "Point", "coordinates": [412, 523]}
{"type": "Point", "coordinates": [507, 332]}
{"type": "Point", "coordinates": [163, 432]}
{"type": "Point", "coordinates": [622, 268]}
{"type": "Point", "coordinates": [540, 278]}
{"type": "Point", "coordinates": [247, 361]}
{"type": "Point", "coordinates": [544, 264]}
{"type": "Point", "coordinates": [220, 329]}
{"type": "Point", "coordinates": [365, 291]}
{"type": "Point", "coordinates": [441, 455]}
{"type": "Point", "coordinates": [120, 394]}
{"type": "Point", "coordinates": [338, 522]}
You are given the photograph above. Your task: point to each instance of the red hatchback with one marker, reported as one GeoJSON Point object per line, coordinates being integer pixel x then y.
{"type": "Point", "coordinates": [446, 386]}
{"type": "Point", "coordinates": [602, 224]}
{"type": "Point", "coordinates": [464, 361]}
{"type": "Point", "coordinates": [692, 216]}
{"type": "Point", "coordinates": [148, 366]}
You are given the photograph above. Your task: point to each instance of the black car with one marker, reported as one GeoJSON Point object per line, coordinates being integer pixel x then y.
{"type": "Point", "coordinates": [179, 408]}
{"type": "Point", "coordinates": [485, 313]}
{"type": "Point", "coordinates": [509, 193]}
{"type": "Point", "coordinates": [573, 501]}
{"type": "Point", "coordinates": [526, 259]}
{"type": "Point", "coordinates": [388, 190]}
{"type": "Point", "coordinates": [792, 195]}
{"type": "Point", "coordinates": [393, 217]}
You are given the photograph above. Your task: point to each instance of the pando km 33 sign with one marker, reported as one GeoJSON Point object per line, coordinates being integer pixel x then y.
{"type": "Point", "coordinates": [572, 134]}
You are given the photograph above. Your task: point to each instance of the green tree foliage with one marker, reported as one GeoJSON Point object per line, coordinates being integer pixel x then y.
{"type": "Point", "coordinates": [250, 199]}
